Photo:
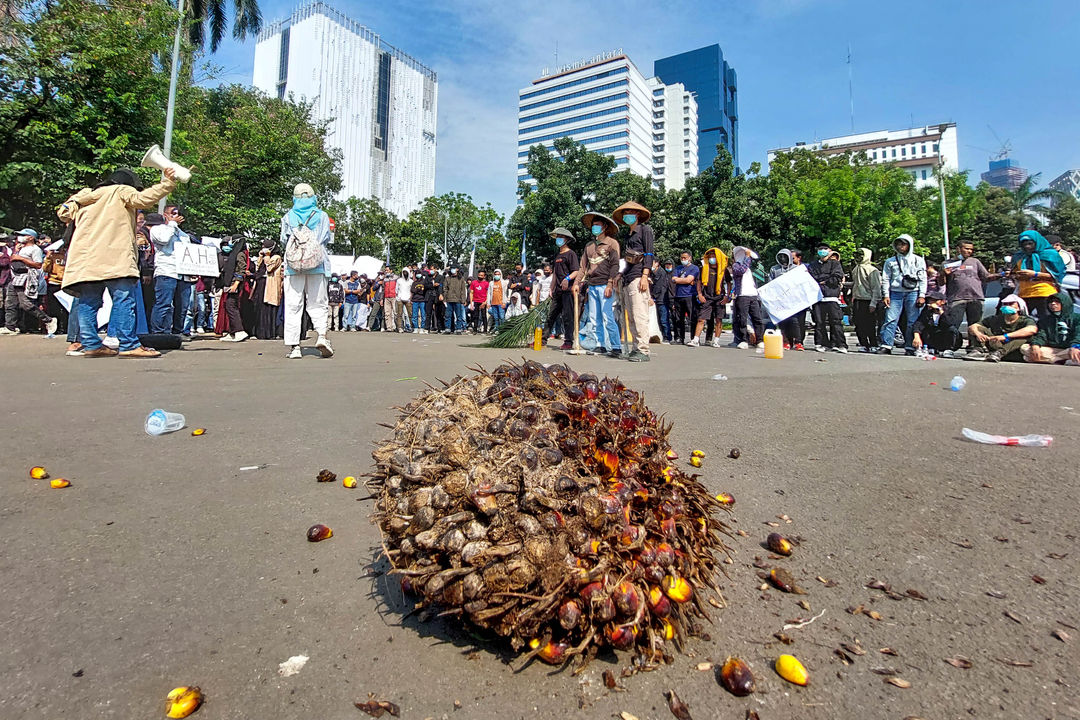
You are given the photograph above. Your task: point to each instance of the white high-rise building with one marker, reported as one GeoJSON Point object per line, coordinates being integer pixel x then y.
{"type": "Point", "coordinates": [381, 102]}
{"type": "Point", "coordinates": [917, 150]}
{"type": "Point", "coordinates": [607, 105]}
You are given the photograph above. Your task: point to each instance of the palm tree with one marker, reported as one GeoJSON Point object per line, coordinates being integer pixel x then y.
{"type": "Point", "coordinates": [1029, 207]}
{"type": "Point", "coordinates": [247, 18]}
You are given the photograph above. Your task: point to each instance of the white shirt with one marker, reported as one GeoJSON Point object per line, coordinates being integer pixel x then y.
{"type": "Point", "coordinates": [541, 289]}
{"type": "Point", "coordinates": [1070, 261]}
{"type": "Point", "coordinates": [748, 287]}
{"type": "Point", "coordinates": [30, 252]}
{"type": "Point", "coordinates": [404, 289]}
{"type": "Point", "coordinates": [165, 238]}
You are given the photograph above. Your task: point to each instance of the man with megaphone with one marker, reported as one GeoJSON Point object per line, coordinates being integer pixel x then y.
{"type": "Point", "coordinates": [103, 256]}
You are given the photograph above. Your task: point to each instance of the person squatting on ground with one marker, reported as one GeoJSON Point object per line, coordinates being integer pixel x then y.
{"type": "Point", "coordinates": [599, 277]}
{"type": "Point", "coordinates": [305, 287]}
{"type": "Point", "coordinates": [104, 256]}
{"type": "Point", "coordinates": [1057, 339]}
{"type": "Point", "coordinates": [639, 253]}
{"type": "Point", "coordinates": [1001, 336]}
{"type": "Point", "coordinates": [903, 289]}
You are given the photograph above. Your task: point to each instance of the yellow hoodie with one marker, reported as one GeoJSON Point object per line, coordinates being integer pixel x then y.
{"type": "Point", "coordinates": [721, 265]}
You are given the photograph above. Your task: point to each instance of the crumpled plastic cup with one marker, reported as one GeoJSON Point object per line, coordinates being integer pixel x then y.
{"type": "Point", "coordinates": [159, 422]}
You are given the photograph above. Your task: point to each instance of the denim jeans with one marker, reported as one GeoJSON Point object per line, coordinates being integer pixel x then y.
{"type": "Point", "coordinates": [171, 300]}
{"type": "Point", "coordinates": [418, 315]}
{"type": "Point", "coordinates": [122, 319]}
{"type": "Point", "coordinates": [498, 314]}
{"type": "Point", "coordinates": [73, 321]}
{"type": "Point", "coordinates": [600, 312]}
{"type": "Point", "coordinates": [352, 312]}
{"type": "Point", "coordinates": [663, 321]}
{"type": "Point", "coordinates": [456, 314]}
{"type": "Point", "coordinates": [898, 301]}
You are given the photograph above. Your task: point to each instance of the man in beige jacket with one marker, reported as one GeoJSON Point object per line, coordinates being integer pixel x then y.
{"type": "Point", "coordinates": [103, 256]}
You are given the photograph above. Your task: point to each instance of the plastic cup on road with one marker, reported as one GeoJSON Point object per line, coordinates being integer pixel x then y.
{"type": "Point", "coordinates": [159, 422]}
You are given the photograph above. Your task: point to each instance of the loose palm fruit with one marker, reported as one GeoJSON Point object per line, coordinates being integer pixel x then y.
{"type": "Point", "coordinates": [550, 652]}
{"type": "Point", "coordinates": [792, 670]}
{"type": "Point", "coordinates": [782, 579]}
{"type": "Point", "coordinates": [183, 701]}
{"type": "Point", "coordinates": [677, 588]}
{"type": "Point", "coordinates": [349, 481]}
{"type": "Point", "coordinates": [778, 544]}
{"type": "Point", "coordinates": [59, 483]}
{"type": "Point", "coordinates": [198, 431]}
{"type": "Point", "coordinates": [736, 677]}
{"type": "Point", "coordinates": [725, 499]}
{"type": "Point", "coordinates": [672, 455]}
{"type": "Point", "coordinates": [325, 476]}
{"type": "Point", "coordinates": [38, 473]}
{"type": "Point", "coordinates": [698, 454]}
{"type": "Point", "coordinates": [316, 533]}
{"type": "Point", "coordinates": [695, 461]}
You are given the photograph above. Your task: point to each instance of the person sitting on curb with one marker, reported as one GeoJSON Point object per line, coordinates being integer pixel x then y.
{"type": "Point", "coordinates": [931, 330]}
{"type": "Point", "coordinates": [1000, 337]}
{"type": "Point", "coordinates": [1057, 339]}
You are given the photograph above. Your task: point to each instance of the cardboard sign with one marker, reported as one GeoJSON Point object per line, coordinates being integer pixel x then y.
{"type": "Point", "coordinates": [793, 291]}
{"type": "Point", "coordinates": [196, 259]}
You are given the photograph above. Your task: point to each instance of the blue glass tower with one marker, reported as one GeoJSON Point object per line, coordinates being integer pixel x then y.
{"type": "Point", "coordinates": [704, 73]}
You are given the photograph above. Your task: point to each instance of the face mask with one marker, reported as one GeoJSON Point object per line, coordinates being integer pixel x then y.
{"type": "Point", "coordinates": [712, 261]}
{"type": "Point", "coordinates": [498, 276]}
{"type": "Point", "coordinates": [1006, 310]}
{"type": "Point", "coordinates": [629, 219]}
{"type": "Point", "coordinates": [454, 271]}
{"type": "Point", "coordinates": [597, 229]}
{"type": "Point", "coordinates": [226, 249]}
{"type": "Point", "coordinates": [669, 268]}
{"type": "Point", "coordinates": [559, 242]}
{"type": "Point", "coordinates": [823, 253]}
{"type": "Point", "coordinates": [684, 263]}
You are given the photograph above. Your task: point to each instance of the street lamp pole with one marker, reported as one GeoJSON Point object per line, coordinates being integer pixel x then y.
{"type": "Point", "coordinates": [445, 249]}
{"type": "Point", "coordinates": [170, 112]}
{"type": "Point", "coordinates": [944, 210]}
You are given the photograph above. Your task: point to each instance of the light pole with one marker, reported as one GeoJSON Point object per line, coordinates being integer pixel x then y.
{"type": "Point", "coordinates": [170, 112]}
{"type": "Point", "coordinates": [944, 210]}
{"type": "Point", "coordinates": [445, 227]}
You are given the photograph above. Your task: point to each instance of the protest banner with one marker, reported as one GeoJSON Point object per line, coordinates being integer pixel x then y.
{"type": "Point", "coordinates": [790, 293]}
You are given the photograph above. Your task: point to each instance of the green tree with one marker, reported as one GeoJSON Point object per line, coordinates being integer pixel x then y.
{"type": "Point", "coordinates": [993, 229]}
{"type": "Point", "coordinates": [1029, 204]}
{"type": "Point", "coordinates": [363, 227]}
{"type": "Point", "coordinates": [249, 150]}
{"type": "Point", "coordinates": [449, 224]}
{"type": "Point", "coordinates": [964, 204]}
{"type": "Point", "coordinates": [247, 20]}
{"type": "Point", "coordinates": [81, 93]}
{"type": "Point", "coordinates": [1065, 221]}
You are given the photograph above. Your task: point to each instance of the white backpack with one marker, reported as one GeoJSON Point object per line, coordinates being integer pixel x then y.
{"type": "Point", "coordinates": [303, 251]}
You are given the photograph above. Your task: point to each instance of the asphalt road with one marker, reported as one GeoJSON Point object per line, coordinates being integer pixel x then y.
{"type": "Point", "coordinates": [166, 564]}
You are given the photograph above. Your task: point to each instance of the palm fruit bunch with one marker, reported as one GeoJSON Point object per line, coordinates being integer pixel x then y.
{"type": "Point", "coordinates": [540, 504]}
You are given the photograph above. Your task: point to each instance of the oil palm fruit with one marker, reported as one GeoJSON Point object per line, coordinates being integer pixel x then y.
{"type": "Point", "coordinates": [789, 668]}
{"type": "Point", "coordinates": [183, 701]}
{"type": "Point", "coordinates": [736, 677]}
{"type": "Point", "coordinates": [39, 473]}
{"type": "Point", "coordinates": [59, 483]}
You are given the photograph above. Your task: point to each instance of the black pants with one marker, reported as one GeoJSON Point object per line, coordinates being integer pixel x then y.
{"type": "Point", "coordinates": [942, 338]}
{"type": "Point", "coordinates": [479, 318]}
{"type": "Point", "coordinates": [794, 328]}
{"type": "Point", "coordinates": [232, 313]}
{"type": "Point", "coordinates": [56, 308]}
{"type": "Point", "coordinates": [748, 308]}
{"type": "Point", "coordinates": [960, 310]}
{"type": "Point", "coordinates": [865, 323]}
{"type": "Point", "coordinates": [829, 325]}
{"type": "Point", "coordinates": [684, 309]}
{"type": "Point", "coordinates": [562, 308]}
{"type": "Point", "coordinates": [16, 300]}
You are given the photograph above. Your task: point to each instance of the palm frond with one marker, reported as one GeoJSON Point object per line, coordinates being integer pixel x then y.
{"type": "Point", "coordinates": [218, 22]}
{"type": "Point", "coordinates": [247, 18]}
{"type": "Point", "coordinates": [519, 331]}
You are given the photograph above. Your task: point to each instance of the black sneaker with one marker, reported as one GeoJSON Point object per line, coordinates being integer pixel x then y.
{"type": "Point", "coordinates": [976, 354]}
{"type": "Point", "coordinates": [616, 354]}
{"type": "Point", "coordinates": [598, 351]}
{"type": "Point", "coordinates": [637, 356]}
{"type": "Point", "coordinates": [884, 350]}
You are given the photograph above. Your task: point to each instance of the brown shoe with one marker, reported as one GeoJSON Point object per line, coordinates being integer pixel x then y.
{"type": "Point", "coordinates": [140, 352]}
{"type": "Point", "coordinates": [99, 352]}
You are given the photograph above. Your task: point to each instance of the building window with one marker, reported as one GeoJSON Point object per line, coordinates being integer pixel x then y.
{"type": "Point", "coordinates": [873, 155]}
{"type": "Point", "coordinates": [686, 143]}
{"type": "Point", "coordinates": [283, 64]}
{"type": "Point", "coordinates": [686, 132]}
{"type": "Point", "coordinates": [658, 126]}
{"type": "Point", "coordinates": [658, 136]}
{"type": "Point", "coordinates": [571, 96]}
{"type": "Point", "coordinates": [577, 118]}
{"type": "Point", "coordinates": [686, 121]}
{"type": "Point", "coordinates": [658, 103]}
{"type": "Point", "coordinates": [657, 92]}
{"type": "Point", "coordinates": [894, 152]}
{"type": "Point", "coordinates": [924, 174]}
{"type": "Point", "coordinates": [936, 151]}
{"type": "Point", "coordinates": [382, 104]}
{"type": "Point", "coordinates": [903, 151]}
{"type": "Point", "coordinates": [571, 108]}
{"type": "Point", "coordinates": [686, 153]}
{"type": "Point", "coordinates": [581, 81]}
{"type": "Point", "coordinates": [686, 165]}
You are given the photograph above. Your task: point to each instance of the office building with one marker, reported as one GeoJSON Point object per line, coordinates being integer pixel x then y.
{"type": "Point", "coordinates": [381, 103]}
{"type": "Point", "coordinates": [1067, 183]}
{"type": "Point", "coordinates": [607, 105]}
{"type": "Point", "coordinates": [917, 150]}
{"type": "Point", "coordinates": [705, 74]}
{"type": "Point", "coordinates": [1005, 173]}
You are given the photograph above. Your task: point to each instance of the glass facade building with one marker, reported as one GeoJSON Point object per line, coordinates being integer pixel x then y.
{"type": "Point", "coordinates": [713, 82]}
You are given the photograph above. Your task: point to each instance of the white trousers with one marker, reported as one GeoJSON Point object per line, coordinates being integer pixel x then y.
{"type": "Point", "coordinates": [299, 288]}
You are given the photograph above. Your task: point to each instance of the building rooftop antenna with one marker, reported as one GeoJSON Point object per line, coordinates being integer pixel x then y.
{"type": "Point", "coordinates": [851, 86]}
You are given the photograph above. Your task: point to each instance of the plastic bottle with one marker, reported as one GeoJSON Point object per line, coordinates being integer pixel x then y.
{"type": "Point", "coordinates": [957, 383]}
{"type": "Point", "coordinates": [159, 422]}
{"type": "Point", "coordinates": [538, 339]}
{"type": "Point", "coordinates": [1021, 440]}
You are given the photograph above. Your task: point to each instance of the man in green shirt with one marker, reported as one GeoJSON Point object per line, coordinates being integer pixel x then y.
{"type": "Point", "coordinates": [1000, 337]}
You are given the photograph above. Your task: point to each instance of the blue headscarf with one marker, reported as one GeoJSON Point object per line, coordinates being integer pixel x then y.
{"type": "Point", "coordinates": [1043, 259]}
{"type": "Point", "coordinates": [303, 207]}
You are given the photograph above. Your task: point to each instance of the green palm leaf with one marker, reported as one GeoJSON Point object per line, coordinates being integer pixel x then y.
{"type": "Point", "coordinates": [519, 331]}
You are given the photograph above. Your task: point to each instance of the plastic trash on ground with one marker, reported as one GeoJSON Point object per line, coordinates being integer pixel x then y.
{"type": "Point", "coordinates": [159, 422]}
{"type": "Point", "coordinates": [957, 383]}
{"type": "Point", "coordinates": [719, 377]}
{"type": "Point", "coordinates": [1021, 440]}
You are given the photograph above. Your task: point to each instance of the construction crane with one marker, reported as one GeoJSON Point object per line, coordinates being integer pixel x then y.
{"type": "Point", "coordinates": [1004, 146]}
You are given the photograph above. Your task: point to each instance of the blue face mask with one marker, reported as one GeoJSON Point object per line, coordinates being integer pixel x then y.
{"type": "Point", "coordinates": [712, 261]}
{"type": "Point", "coordinates": [823, 253]}
{"type": "Point", "coordinates": [559, 242]}
{"type": "Point", "coordinates": [1006, 310]}
{"type": "Point", "coordinates": [629, 219]}
{"type": "Point", "coordinates": [597, 229]}
{"type": "Point", "coordinates": [226, 249]}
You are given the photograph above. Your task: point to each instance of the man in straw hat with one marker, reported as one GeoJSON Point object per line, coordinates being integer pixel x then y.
{"type": "Point", "coordinates": [565, 271]}
{"type": "Point", "coordinates": [599, 275]}
{"type": "Point", "coordinates": [639, 256]}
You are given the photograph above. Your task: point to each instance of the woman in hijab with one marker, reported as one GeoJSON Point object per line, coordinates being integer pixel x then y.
{"type": "Point", "coordinates": [268, 280]}
{"type": "Point", "coordinates": [233, 284]}
{"type": "Point", "coordinates": [1039, 270]}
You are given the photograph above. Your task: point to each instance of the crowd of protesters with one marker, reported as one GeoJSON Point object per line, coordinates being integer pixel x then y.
{"type": "Point", "coordinates": [618, 293]}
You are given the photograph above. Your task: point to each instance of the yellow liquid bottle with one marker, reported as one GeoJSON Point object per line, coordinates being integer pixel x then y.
{"type": "Point", "coordinates": [538, 339]}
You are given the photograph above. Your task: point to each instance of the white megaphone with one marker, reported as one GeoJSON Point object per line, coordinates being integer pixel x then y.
{"type": "Point", "coordinates": [156, 159]}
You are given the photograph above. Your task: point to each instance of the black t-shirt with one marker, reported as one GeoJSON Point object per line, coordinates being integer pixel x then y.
{"type": "Point", "coordinates": [419, 288]}
{"type": "Point", "coordinates": [566, 262]}
{"type": "Point", "coordinates": [640, 243]}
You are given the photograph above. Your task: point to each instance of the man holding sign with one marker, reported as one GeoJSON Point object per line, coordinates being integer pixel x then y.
{"type": "Point", "coordinates": [172, 290]}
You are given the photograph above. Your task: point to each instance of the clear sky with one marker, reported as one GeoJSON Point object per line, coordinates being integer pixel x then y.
{"type": "Point", "coordinates": [1010, 66]}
